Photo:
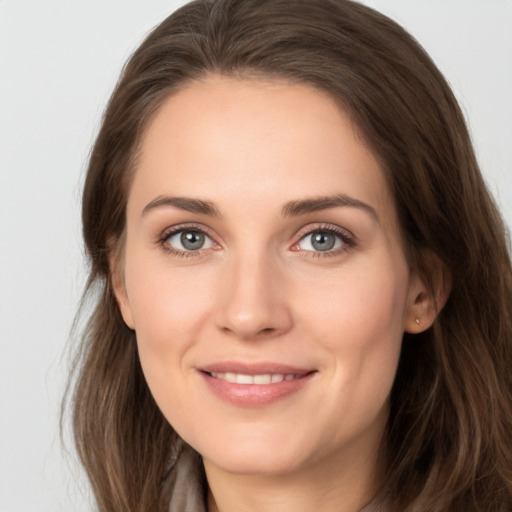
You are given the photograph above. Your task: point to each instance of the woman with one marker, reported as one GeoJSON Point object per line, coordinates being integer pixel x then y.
{"type": "Point", "coordinates": [303, 284]}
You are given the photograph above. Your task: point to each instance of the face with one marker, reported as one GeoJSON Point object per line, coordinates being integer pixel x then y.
{"type": "Point", "coordinates": [264, 276]}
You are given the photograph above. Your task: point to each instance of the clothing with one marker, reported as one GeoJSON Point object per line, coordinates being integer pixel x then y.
{"type": "Point", "coordinates": [188, 493]}
{"type": "Point", "coordinates": [186, 481]}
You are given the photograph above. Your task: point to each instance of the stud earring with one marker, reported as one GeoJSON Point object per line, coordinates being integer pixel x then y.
{"type": "Point", "coordinates": [418, 321]}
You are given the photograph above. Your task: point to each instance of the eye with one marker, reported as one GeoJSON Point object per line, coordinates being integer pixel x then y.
{"type": "Point", "coordinates": [320, 241]}
{"type": "Point", "coordinates": [324, 240]}
{"type": "Point", "coordinates": [187, 240]}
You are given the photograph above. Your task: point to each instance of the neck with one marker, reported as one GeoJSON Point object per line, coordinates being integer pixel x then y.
{"type": "Point", "coordinates": [332, 487]}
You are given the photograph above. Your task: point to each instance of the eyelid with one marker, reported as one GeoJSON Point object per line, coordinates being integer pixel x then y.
{"type": "Point", "coordinates": [347, 237]}
{"type": "Point", "coordinates": [170, 231]}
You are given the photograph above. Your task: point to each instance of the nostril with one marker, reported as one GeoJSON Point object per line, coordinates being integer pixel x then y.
{"type": "Point", "coordinates": [250, 320]}
{"type": "Point", "coordinates": [252, 334]}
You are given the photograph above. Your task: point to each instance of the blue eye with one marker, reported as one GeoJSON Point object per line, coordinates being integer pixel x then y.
{"type": "Point", "coordinates": [321, 240]}
{"type": "Point", "coordinates": [188, 240]}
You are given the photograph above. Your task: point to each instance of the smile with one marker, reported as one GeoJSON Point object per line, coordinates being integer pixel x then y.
{"type": "Point", "coordinates": [264, 379]}
{"type": "Point", "coordinates": [254, 385]}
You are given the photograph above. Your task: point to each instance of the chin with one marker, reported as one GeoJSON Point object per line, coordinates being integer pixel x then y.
{"type": "Point", "coordinates": [254, 451]}
{"type": "Point", "coordinates": [254, 462]}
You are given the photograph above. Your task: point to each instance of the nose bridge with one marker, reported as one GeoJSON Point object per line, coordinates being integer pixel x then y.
{"type": "Point", "coordinates": [253, 301]}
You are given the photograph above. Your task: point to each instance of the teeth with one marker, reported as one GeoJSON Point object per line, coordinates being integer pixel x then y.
{"type": "Point", "coordinates": [240, 378]}
{"type": "Point", "coordinates": [262, 379]}
{"type": "Point", "coordinates": [244, 379]}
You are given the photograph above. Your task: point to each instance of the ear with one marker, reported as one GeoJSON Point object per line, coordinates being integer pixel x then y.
{"type": "Point", "coordinates": [424, 301]}
{"type": "Point", "coordinates": [119, 288]}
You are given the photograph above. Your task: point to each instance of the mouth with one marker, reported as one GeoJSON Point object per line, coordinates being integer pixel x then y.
{"type": "Point", "coordinates": [254, 385]}
{"type": "Point", "coordinates": [260, 380]}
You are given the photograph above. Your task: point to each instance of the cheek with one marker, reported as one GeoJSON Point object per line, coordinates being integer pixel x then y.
{"type": "Point", "coordinates": [350, 305]}
{"type": "Point", "coordinates": [169, 315]}
{"type": "Point", "coordinates": [163, 298]}
{"type": "Point", "coordinates": [169, 309]}
{"type": "Point", "coordinates": [358, 318]}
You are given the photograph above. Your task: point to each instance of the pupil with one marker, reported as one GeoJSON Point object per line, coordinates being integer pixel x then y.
{"type": "Point", "coordinates": [323, 241]}
{"type": "Point", "coordinates": [192, 240]}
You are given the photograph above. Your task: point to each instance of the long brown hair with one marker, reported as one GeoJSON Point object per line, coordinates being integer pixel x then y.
{"type": "Point", "coordinates": [448, 446]}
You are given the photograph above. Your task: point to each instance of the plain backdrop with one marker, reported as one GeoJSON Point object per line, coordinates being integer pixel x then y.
{"type": "Point", "coordinates": [58, 63]}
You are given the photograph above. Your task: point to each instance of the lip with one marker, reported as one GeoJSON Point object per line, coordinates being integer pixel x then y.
{"type": "Point", "coordinates": [253, 368]}
{"type": "Point", "coordinates": [254, 395]}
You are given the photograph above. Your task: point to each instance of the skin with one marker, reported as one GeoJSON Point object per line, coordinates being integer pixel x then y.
{"type": "Point", "coordinates": [258, 290]}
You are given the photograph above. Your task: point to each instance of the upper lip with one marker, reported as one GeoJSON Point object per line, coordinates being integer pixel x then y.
{"type": "Point", "coordinates": [254, 368]}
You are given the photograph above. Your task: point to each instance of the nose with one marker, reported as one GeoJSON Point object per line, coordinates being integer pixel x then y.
{"type": "Point", "coordinates": [253, 302]}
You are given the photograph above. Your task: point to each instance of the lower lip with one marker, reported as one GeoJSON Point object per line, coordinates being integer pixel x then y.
{"type": "Point", "coordinates": [254, 395]}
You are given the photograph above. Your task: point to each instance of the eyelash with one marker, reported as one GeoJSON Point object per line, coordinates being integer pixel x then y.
{"type": "Point", "coordinates": [348, 240]}
{"type": "Point", "coordinates": [163, 239]}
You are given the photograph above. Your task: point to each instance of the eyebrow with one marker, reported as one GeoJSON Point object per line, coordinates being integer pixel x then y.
{"type": "Point", "coordinates": [291, 209]}
{"type": "Point", "coordinates": [183, 203]}
{"type": "Point", "coordinates": [315, 204]}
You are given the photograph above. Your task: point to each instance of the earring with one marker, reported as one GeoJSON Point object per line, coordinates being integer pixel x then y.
{"type": "Point", "coordinates": [418, 321]}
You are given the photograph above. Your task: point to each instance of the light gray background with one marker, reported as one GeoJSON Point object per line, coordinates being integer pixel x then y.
{"type": "Point", "coordinates": [58, 63]}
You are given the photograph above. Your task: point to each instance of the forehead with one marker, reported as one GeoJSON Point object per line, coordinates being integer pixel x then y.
{"type": "Point", "coordinates": [260, 139]}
